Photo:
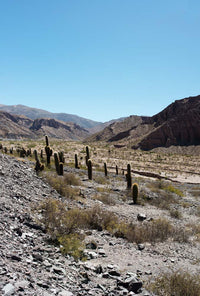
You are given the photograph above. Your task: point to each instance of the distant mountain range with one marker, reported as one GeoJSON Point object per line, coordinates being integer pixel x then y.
{"type": "Point", "coordinates": [18, 126]}
{"type": "Point", "coordinates": [34, 113]}
{"type": "Point", "coordinates": [178, 125]}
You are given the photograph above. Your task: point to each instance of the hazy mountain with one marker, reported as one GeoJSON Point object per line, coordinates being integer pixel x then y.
{"type": "Point", "coordinates": [17, 127]}
{"type": "Point", "coordinates": [117, 130]}
{"type": "Point", "coordinates": [178, 124]}
{"type": "Point", "coordinates": [58, 129]}
{"type": "Point", "coordinates": [34, 113]}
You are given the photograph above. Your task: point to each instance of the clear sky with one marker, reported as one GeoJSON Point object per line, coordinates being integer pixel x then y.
{"type": "Point", "coordinates": [99, 59]}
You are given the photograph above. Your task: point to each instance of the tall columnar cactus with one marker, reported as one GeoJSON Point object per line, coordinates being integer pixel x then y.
{"type": "Point", "coordinates": [22, 152]}
{"type": "Point", "coordinates": [128, 176]}
{"type": "Point", "coordinates": [38, 166]}
{"type": "Point", "coordinates": [48, 151]}
{"type": "Point", "coordinates": [61, 157]}
{"type": "Point", "coordinates": [35, 154]}
{"type": "Point", "coordinates": [87, 155]}
{"type": "Point", "coordinates": [89, 169]}
{"type": "Point", "coordinates": [76, 162]}
{"type": "Point", "coordinates": [41, 154]}
{"type": "Point", "coordinates": [105, 169]}
{"type": "Point", "coordinates": [116, 170]}
{"type": "Point", "coordinates": [28, 152]}
{"type": "Point", "coordinates": [56, 162]}
{"type": "Point", "coordinates": [48, 154]}
{"type": "Point", "coordinates": [47, 141]}
{"type": "Point", "coordinates": [61, 168]}
{"type": "Point", "coordinates": [135, 191]}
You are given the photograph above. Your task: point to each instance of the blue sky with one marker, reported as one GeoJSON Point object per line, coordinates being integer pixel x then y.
{"type": "Point", "coordinates": [99, 59]}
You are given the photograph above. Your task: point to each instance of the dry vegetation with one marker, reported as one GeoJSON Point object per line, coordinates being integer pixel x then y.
{"type": "Point", "coordinates": [104, 203]}
{"type": "Point", "coordinates": [177, 283]}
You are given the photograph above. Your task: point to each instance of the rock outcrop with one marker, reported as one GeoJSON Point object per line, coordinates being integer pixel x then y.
{"type": "Point", "coordinates": [19, 127]}
{"type": "Point", "coordinates": [15, 126]}
{"type": "Point", "coordinates": [58, 129]}
{"type": "Point", "coordinates": [178, 125]}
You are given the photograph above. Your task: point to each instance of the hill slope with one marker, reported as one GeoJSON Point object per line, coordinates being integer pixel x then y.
{"type": "Point", "coordinates": [34, 113]}
{"type": "Point", "coordinates": [178, 124]}
{"type": "Point", "coordinates": [17, 127]}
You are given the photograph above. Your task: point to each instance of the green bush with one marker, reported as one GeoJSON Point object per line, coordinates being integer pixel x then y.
{"type": "Point", "coordinates": [73, 245]}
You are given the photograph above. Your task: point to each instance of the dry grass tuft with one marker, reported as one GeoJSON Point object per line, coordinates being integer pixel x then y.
{"type": "Point", "coordinates": [174, 213]}
{"type": "Point", "coordinates": [178, 283]}
{"type": "Point", "coordinates": [62, 184]}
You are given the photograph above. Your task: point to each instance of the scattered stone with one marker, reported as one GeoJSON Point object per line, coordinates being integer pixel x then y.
{"type": "Point", "coordinates": [141, 217]}
{"type": "Point", "coordinates": [131, 283]}
{"type": "Point", "coordinates": [90, 254]}
{"type": "Point", "coordinates": [141, 247]}
{"type": "Point", "coordinates": [114, 273]}
{"type": "Point", "coordinates": [102, 252]}
{"type": "Point", "coordinates": [8, 289]}
{"type": "Point", "coordinates": [91, 245]}
{"type": "Point", "coordinates": [16, 258]}
{"type": "Point", "coordinates": [37, 257]}
{"type": "Point", "coordinates": [65, 293]}
{"type": "Point", "coordinates": [59, 271]}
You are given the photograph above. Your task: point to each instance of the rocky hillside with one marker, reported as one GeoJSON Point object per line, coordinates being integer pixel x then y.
{"type": "Point", "coordinates": [30, 264]}
{"type": "Point", "coordinates": [177, 125]}
{"type": "Point", "coordinates": [118, 130]}
{"type": "Point", "coordinates": [17, 127]}
{"type": "Point", "coordinates": [34, 113]}
{"type": "Point", "coordinates": [58, 129]}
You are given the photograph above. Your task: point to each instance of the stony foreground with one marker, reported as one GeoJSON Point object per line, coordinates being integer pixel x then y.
{"type": "Point", "coordinates": [31, 266]}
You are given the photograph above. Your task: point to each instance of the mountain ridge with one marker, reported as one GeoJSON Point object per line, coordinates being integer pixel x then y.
{"type": "Point", "coordinates": [35, 113]}
{"type": "Point", "coordinates": [16, 127]}
{"type": "Point", "coordinates": [177, 124]}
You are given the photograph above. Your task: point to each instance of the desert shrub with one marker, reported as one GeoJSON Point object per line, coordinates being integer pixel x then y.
{"type": "Point", "coordinates": [156, 186]}
{"type": "Point", "coordinates": [71, 179]}
{"type": "Point", "coordinates": [162, 201]}
{"type": "Point", "coordinates": [105, 198]}
{"type": "Point", "coordinates": [62, 184]}
{"type": "Point", "coordinates": [72, 244]}
{"type": "Point", "coordinates": [154, 231]}
{"type": "Point", "coordinates": [197, 211]}
{"type": "Point", "coordinates": [172, 189]}
{"type": "Point", "coordinates": [195, 192]}
{"type": "Point", "coordinates": [60, 223]}
{"type": "Point", "coordinates": [178, 283]}
{"type": "Point", "coordinates": [63, 226]}
{"type": "Point", "coordinates": [174, 213]}
{"type": "Point", "coordinates": [56, 219]}
{"type": "Point", "coordinates": [159, 185]}
{"type": "Point", "coordinates": [97, 218]}
{"type": "Point", "coordinates": [194, 229]}
{"type": "Point", "coordinates": [101, 179]}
